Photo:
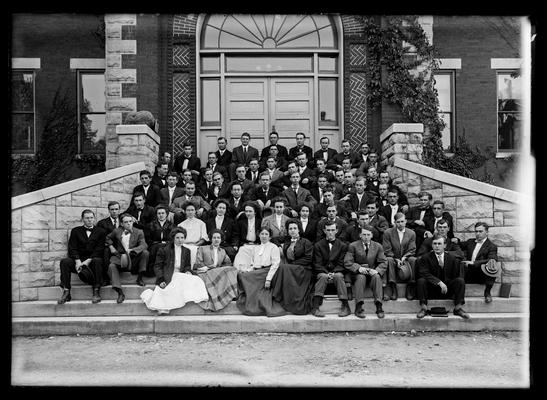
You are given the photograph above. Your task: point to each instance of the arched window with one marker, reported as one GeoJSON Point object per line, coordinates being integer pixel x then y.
{"type": "Point", "coordinates": [246, 31]}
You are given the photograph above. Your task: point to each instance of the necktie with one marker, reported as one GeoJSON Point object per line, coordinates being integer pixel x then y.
{"type": "Point", "coordinates": [245, 153]}
{"type": "Point", "coordinates": [126, 232]}
{"type": "Point", "coordinates": [139, 215]}
{"type": "Point", "coordinates": [115, 223]}
{"type": "Point", "coordinates": [236, 202]}
{"type": "Point", "coordinates": [366, 250]}
{"type": "Point", "coordinates": [441, 262]}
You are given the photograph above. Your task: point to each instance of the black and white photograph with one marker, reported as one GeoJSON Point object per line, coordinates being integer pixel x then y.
{"type": "Point", "coordinates": [263, 200]}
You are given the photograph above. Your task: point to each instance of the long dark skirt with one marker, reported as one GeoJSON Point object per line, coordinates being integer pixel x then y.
{"type": "Point", "coordinates": [293, 288]}
{"type": "Point", "coordinates": [253, 298]}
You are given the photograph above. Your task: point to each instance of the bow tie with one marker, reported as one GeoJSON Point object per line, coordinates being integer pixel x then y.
{"type": "Point", "coordinates": [125, 231]}
{"type": "Point", "coordinates": [88, 229]}
{"type": "Point", "coordinates": [330, 241]}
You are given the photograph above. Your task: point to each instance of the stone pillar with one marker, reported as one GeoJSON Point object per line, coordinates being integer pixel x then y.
{"type": "Point", "coordinates": [120, 76]}
{"type": "Point", "coordinates": [137, 143]}
{"type": "Point", "coordinates": [401, 141]}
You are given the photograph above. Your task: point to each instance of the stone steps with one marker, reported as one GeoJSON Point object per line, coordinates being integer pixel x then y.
{"type": "Point", "coordinates": [176, 324]}
{"type": "Point", "coordinates": [133, 291]}
{"type": "Point", "coordinates": [331, 305]}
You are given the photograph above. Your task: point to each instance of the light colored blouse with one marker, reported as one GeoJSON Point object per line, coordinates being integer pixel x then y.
{"type": "Point", "coordinates": [267, 254]}
{"type": "Point", "coordinates": [195, 230]}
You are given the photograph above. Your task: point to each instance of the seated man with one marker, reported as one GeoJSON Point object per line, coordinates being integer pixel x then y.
{"type": "Point", "coordinates": [245, 183]}
{"type": "Point", "coordinates": [392, 207]}
{"type": "Point", "coordinates": [452, 245]}
{"type": "Point", "coordinates": [321, 169]}
{"type": "Point", "coordinates": [345, 153]}
{"type": "Point", "coordinates": [317, 191]}
{"type": "Point", "coordinates": [212, 162]}
{"type": "Point", "coordinates": [276, 221]}
{"type": "Point", "coordinates": [189, 161]}
{"type": "Point", "coordinates": [171, 192]}
{"type": "Point", "coordinates": [383, 177]}
{"type": "Point", "coordinates": [297, 195]}
{"type": "Point", "coordinates": [177, 206]}
{"type": "Point", "coordinates": [206, 183]}
{"type": "Point", "coordinates": [152, 195]}
{"type": "Point", "coordinates": [328, 200]}
{"type": "Point", "coordinates": [343, 191]}
{"type": "Point", "coordinates": [253, 173]}
{"type": "Point", "coordinates": [236, 201]}
{"type": "Point", "coordinates": [417, 217]}
{"type": "Point", "coordinates": [160, 176]}
{"type": "Point", "coordinates": [439, 213]}
{"type": "Point", "coordinates": [357, 200]}
{"type": "Point", "coordinates": [109, 224]}
{"type": "Point", "coordinates": [353, 231]}
{"type": "Point", "coordinates": [328, 266]}
{"type": "Point", "coordinates": [307, 175]}
{"type": "Point", "coordinates": [372, 182]}
{"type": "Point", "coordinates": [276, 175]}
{"type": "Point", "coordinates": [399, 245]}
{"type": "Point", "coordinates": [376, 220]}
{"type": "Point", "coordinates": [440, 278]}
{"type": "Point", "coordinates": [128, 251]}
{"type": "Point", "coordinates": [325, 153]}
{"type": "Point", "coordinates": [85, 257]}
{"type": "Point", "coordinates": [332, 218]}
{"type": "Point", "coordinates": [142, 214]}
{"type": "Point", "coordinates": [264, 193]}
{"type": "Point", "coordinates": [220, 188]}
{"type": "Point", "coordinates": [481, 260]}
{"type": "Point", "coordinates": [367, 264]}
{"type": "Point", "coordinates": [280, 161]}
{"type": "Point", "coordinates": [281, 150]}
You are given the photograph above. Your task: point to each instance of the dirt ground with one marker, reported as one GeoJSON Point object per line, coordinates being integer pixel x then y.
{"type": "Point", "coordinates": [346, 359]}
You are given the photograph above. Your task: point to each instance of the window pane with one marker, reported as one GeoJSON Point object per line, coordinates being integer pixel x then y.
{"type": "Point", "coordinates": [22, 91]}
{"type": "Point", "coordinates": [509, 131]}
{"type": "Point", "coordinates": [327, 64]}
{"type": "Point", "coordinates": [446, 136]}
{"type": "Point", "coordinates": [327, 101]}
{"type": "Point", "coordinates": [22, 131]}
{"type": "Point", "coordinates": [210, 98]}
{"type": "Point", "coordinates": [210, 64]}
{"type": "Point", "coordinates": [443, 86]}
{"type": "Point", "coordinates": [268, 64]}
{"type": "Point", "coordinates": [93, 133]}
{"type": "Point", "coordinates": [508, 87]}
{"type": "Point", "coordinates": [93, 93]}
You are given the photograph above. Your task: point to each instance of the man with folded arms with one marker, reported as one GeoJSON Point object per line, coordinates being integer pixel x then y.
{"type": "Point", "coordinates": [440, 279]}
{"type": "Point", "coordinates": [366, 262]}
{"type": "Point", "coordinates": [85, 257]}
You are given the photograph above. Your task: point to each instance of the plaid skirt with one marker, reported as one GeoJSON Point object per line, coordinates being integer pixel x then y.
{"type": "Point", "coordinates": [221, 285]}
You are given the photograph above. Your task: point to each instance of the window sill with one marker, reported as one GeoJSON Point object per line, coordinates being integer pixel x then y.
{"type": "Point", "coordinates": [506, 154]}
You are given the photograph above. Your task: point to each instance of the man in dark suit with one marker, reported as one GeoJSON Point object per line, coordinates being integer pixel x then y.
{"type": "Point", "coordinates": [372, 162]}
{"type": "Point", "coordinates": [236, 201]}
{"type": "Point", "coordinates": [383, 177]}
{"type": "Point", "coordinates": [280, 162]}
{"type": "Point", "coordinates": [321, 169]}
{"type": "Point", "coordinates": [152, 195]}
{"type": "Point", "coordinates": [353, 231]}
{"type": "Point", "coordinates": [178, 207]}
{"type": "Point", "coordinates": [187, 160]}
{"type": "Point", "coordinates": [109, 224]}
{"type": "Point", "coordinates": [307, 174]}
{"type": "Point", "coordinates": [363, 153]}
{"type": "Point", "coordinates": [296, 195]}
{"type": "Point", "coordinates": [281, 150]}
{"type": "Point", "coordinates": [328, 266]}
{"type": "Point", "coordinates": [220, 188]}
{"type": "Point", "coordinates": [452, 245]}
{"type": "Point", "coordinates": [141, 213]}
{"type": "Point", "coordinates": [332, 218]}
{"type": "Point", "coordinates": [85, 257]}
{"type": "Point", "coordinates": [245, 183]}
{"type": "Point", "coordinates": [345, 153]}
{"type": "Point", "coordinates": [253, 173]}
{"type": "Point", "coordinates": [376, 220]}
{"type": "Point", "coordinates": [392, 207]}
{"type": "Point", "coordinates": [212, 162]}
{"type": "Point", "coordinates": [318, 190]}
{"type": "Point", "coordinates": [128, 251]}
{"type": "Point", "coordinates": [276, 175]}
{"type": "Point", "coordinates": [241, 155]}
{"type": "Point", "coordinates": [301, 148]}
{"type": "Point", "coordinates": [437, 214]}
{"type": "Point", "coordinates": [328, 200]}
{"type": "Point", "coordinates": [220, 220]}
{"type": "Point", "coordinates": [440, 278]}
{"type": "Point", "coordinates": [366, 263]}
{"type": "Point", "coordinates": [357, 200]}
{"type": "Point", "coordinates": [417, 217]}
{"type": "Point", "coordinates": [205, 184]}
{"type": "Point", "coordinates": [172, 191]}
{"type": "Point", "coordinates": [325, 153]}
{"type": "Point", "coordinates": [160, 176]}
{"type": "Point", "coordinates": [224, 157]}
{"type": "Point", "coordinates": [264, 193]}
{"type": "Point", "coordinates": [372, 182]}
{"type": "Point", "coordinates": [480, 252]}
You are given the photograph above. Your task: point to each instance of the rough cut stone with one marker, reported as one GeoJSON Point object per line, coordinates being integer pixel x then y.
{"type": "Point", "coordinates": [121, 75]}
{"type": "Point", "coordinates": [515, 266]}
{"type": "Point", "coordinates": [38, 217]}
{"type": "Point", "coordinates": [474, 207]}
{"type": "Point", "coordinates": [450, 205]}
{"type": "Point", "coordinates": [117, 185]}
{"type": "Point", "coordinates": [28, 294]}
{"type": "Point", "coordinates": [124, 198]}
{"type": "Point", "coordinates": [498, 218]}
{"type": "Point", "coordinates": [58, 239]}
{"type": "Point", "coordinates": [430, 184]}
{"type": "Point", "coordinates": [121, 19]}
{"type": "Point", "coordinates": [416, 157]}
{"type": "Point", "coordinates": [114, 61]}
{"type": "Point", "coordinates": [16, 220]}
{"type": "Point", "coordinates": [105, 187]}
{"type": "Point", "coordinates": [34, 246]}
{"type": "Point", "coordinates": [413, 179]}
{"type": "Point", "coordinates": [449, 190]}
{"type": "Point", "coordinates": [35, 261]}
{"type": "Point", "coordinates": [113, 31]}
{"type": "Point", "coordinates": [86, 201]}
{"type": "Point", "coordinates": [505, 235]}
{"type": "Point", "coordinates": [94, 190]}
{"type": "Point", "coordinates": [48, 256]}
{"type": "Point", "coordinates": [48, 202]}
{"type": "Point", "coordinates": [69, 217]}
{"type": "Point", "coordinates": [20, 261]}
{"type": "Point", "coordinates": [502, 205]}
{"type": "Point", "coordinates": [468, 224]}
{"type": "Point", "coordinates": [506, 253]}
{"type": "Point", "coordinates": [16, 239]}
{"type": "Point", "coordinates": [116, 46]}
{"type": "Point", "coordinates": [65, 200]}
{"type": "Point", "coordinates": [34, 235]}
{"type": "Point", "coordinates": [36, 279]}
{"type": "Point", "coordinates": [114, 118]}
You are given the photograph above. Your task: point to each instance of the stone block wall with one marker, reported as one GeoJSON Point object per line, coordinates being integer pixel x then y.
{"type": "Point", "coordinates": [41, 222]}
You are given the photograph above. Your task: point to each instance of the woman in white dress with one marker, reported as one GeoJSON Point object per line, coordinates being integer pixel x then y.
{"type": "Point", "coordinates": [197, 231]}
{"type": "Point", "coordinates": [175, 283]}
{"type": "Point", "coordinates": [254, 283]}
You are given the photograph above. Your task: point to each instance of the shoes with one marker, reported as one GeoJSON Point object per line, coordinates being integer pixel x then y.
{"type": "Point", "coordinates": [487, 297]}
{"type": "Point", "coordinates": [140, 282]}
{"type": "Point", "coordinates": [360, 312]}
{"type": "Point", "coordinates": [344, 310]}
{"type": "Point", "coordinates": [394, 294]}
{"type": "Point", "coordinates": [380, 311]}
{"type": "Point", "coordinates": [422, 313]}
{"type": "Point", "coordinates": [163, 312]}
{"type": "Point", "coordinates": [461, 313]}
{"type": "Point", "coordinates": [96, 296]}
{"type": "Point", "coordinates": [410, 292]}
{"type": "Point", "coordinates": [317, 313]}
{"type": "Point", "coordinates": [121, 297]}
{"type": "Point", "coordinates": [65, 297]}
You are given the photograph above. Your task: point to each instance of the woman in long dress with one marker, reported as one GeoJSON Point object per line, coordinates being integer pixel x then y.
{"type": "Point", "coordinates": [175, 284]}
{"type": "Point", "coordinates": [245, 235]}
{"type": "Point", "coordinates": [196, 228]}
{"type": "Point", "coordinates": [215, 268]}
{"type": "Point", "coordinates": [294, 285]}
{"type": "Point", "coordinates": [254, 283]}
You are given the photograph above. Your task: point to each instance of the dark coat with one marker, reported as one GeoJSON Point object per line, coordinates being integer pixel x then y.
{"type": "Point", "coordinates": [386, 211]}
{"type": "Point", "coordinates": [430, 270]}
{"type": "Point", "coordinates": [353, 233]}
{"type": "Point", "coordinates": [164, 267]}
{"type": "Point", "coordinates": [412, 215]}
{"type": "Point", "coordinates": [137, 241]}
{"type": "Point", "coordinates": [329, 260]}
{"type": "Point", "coordinates": [81, 247]}
{"type": "Point", "coordinates": [353, 202]}
{"type": "Point", "coordinates": [294, 151]}
{"type": "Point", "coordinates": [303, 252]}
{"type": "Point", "coordinates": [157, 180]}
{"type": "Point", "coordinates": [218, 168]}
{"type": "Point", "coordinates": [281, 152]}
{"type": "Point", "coordinates": [312, 179]}
{"type": "Point", "coordinates": [429, 221]}
{"type": "Point", "coordinates": [223, 192]}
{"type": "Point", "coordinates": [225, 160]}
{"type": "Point", "coordinates": [488, 251]}
{"type": "Point", "coordinates": [248, 175]}
{"type": "Point", "coordinates": [165, 195]}
{"type": "Point", "coordinates": [452, 248]}
{"type": "Point", "coordinates": [156, 233]}
{"type": "Point", "coordinates": [304, 196]}
{"type": "Point", "coordinates": [354, 157]}
{"type": "Point", "coordinates": [239, 158]}
{"type": "Point", "coordinates": [148, 214]}
{"type": "Point", "coordinates": [310, 232]}
{"type": "Point", "coordinates": [194, 163]}
{"type": "Point", "coordinates": [153, 196]}
{"type": "Point", "coordinates": [106, 224]}
{"type": "Point", "coordinates": [257, 193]}
{"type": "Point", "coordinates": [227, 227]}
{"type": "Point", "coordinates": [341, 227]}
{"type": "Point", "coordinates": [240, 231]}
{"type": "Point", "coordinates": [232, 210]}
{"type": "Point", "coordinates": [319, 155]}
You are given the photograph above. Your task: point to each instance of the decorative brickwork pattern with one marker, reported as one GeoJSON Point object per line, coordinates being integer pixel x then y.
{"type": "Point", "coordinates": [181, 56]}
{"type": "Point", "coordinates": [358, 111]}
{"type": "Point", "coordinates": [357, 55]}
{"type": "Point", "coordinates": [182, 124]}
{"type": "Point", "coordinates": [185, 24]}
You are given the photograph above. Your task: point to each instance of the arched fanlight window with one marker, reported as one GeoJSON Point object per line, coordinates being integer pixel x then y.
{"type": "Point", "coordinates": [246, 31]}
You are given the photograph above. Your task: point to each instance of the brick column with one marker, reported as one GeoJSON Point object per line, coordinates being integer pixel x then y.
{"type": "Point", "coordinates": [137, 143]}
{"type": "Point", "coordinates": [120, 75]}
{"type": "Point", "coordinates": [401, 141]}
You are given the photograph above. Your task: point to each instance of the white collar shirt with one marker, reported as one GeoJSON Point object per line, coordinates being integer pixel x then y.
{"type": "Point", "coordinates": [477, 249]}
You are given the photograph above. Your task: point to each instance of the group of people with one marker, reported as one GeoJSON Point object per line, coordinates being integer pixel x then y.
{"type": "Point", "coordinates": [272, 231]}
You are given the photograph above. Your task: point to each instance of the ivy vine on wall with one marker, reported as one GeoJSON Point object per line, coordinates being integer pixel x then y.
{"type": "Point", "coordinates": [399, 69]}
